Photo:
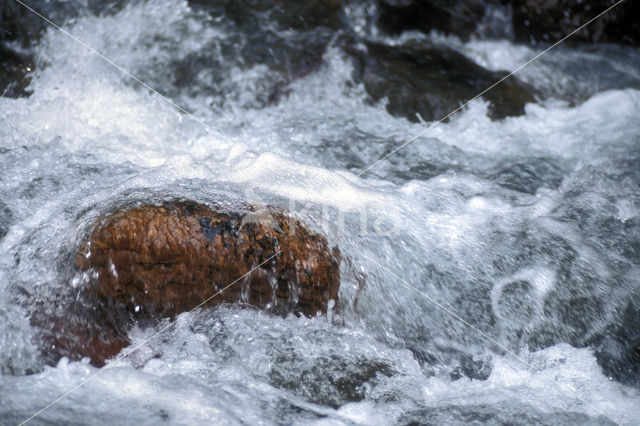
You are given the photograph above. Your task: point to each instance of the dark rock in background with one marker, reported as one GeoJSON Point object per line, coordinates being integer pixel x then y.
{"type": "Point", "coordinates": [289, 37]}
{"type": "Point", "coordinates": [533, 21]}
{"type": "Point", "coordinates": [20, 25]}
{"type": "Point", "coordinates": [21, 29]}
{"type": "Point", "coordinates": [433, 80]}
{"type": "Point", "coordinates": [522, 21]}
{"type": "Point", "coordinates": [550, 20]}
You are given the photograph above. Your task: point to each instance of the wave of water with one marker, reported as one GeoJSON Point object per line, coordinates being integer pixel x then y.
{"type": "Point", "coordinates": [526, 228]}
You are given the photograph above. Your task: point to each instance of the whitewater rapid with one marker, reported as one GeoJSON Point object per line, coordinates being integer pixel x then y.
{"type": "Point", "coordinates": [521, 227]}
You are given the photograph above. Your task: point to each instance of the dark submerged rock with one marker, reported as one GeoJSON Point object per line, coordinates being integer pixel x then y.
{"type": "Point", "coordinates": [618, 353]}
{"type": "Point", "coordinates": [433, 80]}
{"type": "Point", "coordinates": [529, 174]}
{"type": "Point", "coordinates": [6, 217]}
{"type": "Point", "coordinates": [328, 380]}
{"type": "Point", "coordinates": [151, 262]}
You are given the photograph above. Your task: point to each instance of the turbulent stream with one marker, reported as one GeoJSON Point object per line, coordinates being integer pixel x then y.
{"type": "Point", "coordinates": [491, 268]}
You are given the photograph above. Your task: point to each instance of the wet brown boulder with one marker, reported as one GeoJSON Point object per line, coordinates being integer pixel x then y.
{"type": "Point", "coordinates": [156, 261]}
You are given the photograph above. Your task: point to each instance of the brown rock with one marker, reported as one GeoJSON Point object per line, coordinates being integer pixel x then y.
{"type": "Point", "coordinates": [150, 262]}
{"type": "Point", "coordinates": [78, 332]}
{"type": "Point", "coordinates": [159, 261]}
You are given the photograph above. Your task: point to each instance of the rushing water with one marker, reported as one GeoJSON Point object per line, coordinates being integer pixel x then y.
{"type": "Point", "coordinates": [485, 263]}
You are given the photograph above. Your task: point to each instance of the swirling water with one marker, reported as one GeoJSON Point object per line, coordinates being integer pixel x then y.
{"type": "Point", "coordinates": [485, 263]}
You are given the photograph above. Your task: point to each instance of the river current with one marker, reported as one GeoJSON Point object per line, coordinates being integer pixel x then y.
{"type": "Point", "coordinates": [486, 264]}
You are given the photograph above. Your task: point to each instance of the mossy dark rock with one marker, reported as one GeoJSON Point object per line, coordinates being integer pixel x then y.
{"type": "Point", "coordinates": [156, 261]}
{"type": "Point", "coordinates": [433, 80]}
{"type": "Point", "coordinates": [551, 20]}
